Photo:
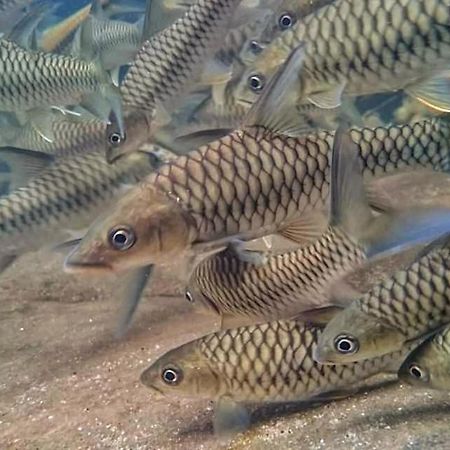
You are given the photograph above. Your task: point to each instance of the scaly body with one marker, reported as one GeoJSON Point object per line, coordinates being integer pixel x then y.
{"type": "Point", "coordinates": [263, 363]}
{"type": "Point", "coordinates": [366, 47]}
{"type": "Point", "coordinates": [31, 79]}
{"type": "Point", "coordinates": [252, 182]}
{"type": "Point", "coordinates": [403, 307]}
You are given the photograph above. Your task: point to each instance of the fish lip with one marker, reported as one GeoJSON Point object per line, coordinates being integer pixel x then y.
{"type": "Point", "coordinates": [78, 267]}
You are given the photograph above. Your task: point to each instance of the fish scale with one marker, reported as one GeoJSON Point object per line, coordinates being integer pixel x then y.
{"type": "Point", "coordinates": [368, 46]}
{"type": "Point", "coordinates": [68, 194]}
{"type": "Point", "coordinates": [283, 285]}
{"type": "Point", "coordinates": [166, 62]}
{"type": "Point", "coordinates": [255, 180]}
{"type": "Point", "coordinates": [32, 79]}
{"type": "Point", "coordinates": [268, 362]}
{"type": "Point", "coordinates": [415, 300]}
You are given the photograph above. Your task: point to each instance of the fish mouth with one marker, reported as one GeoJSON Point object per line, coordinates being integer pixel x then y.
{"type": "Point", "coordinates": [87, 268]}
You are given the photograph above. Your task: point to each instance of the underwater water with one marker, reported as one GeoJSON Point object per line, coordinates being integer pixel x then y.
{"type": "Point", "coordinates": [233, 182]}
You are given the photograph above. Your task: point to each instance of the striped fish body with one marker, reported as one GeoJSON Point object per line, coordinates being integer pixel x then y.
{"type": "Point", "coordinates": [68, 138]}
{"type": "Point", "coordinates": [263, 363]}
{"type": "Point", "coordinates": [67, 196]}
{"type": "Point", "coordinates": [366, 46]}
{"type": "Point", "coordinates": [31, 79]}
{"type": "Point", "coordinates": [165, 64]}
{"type": "Point", "coordinates": [281, 287]}
{"type": "Point", "coordinates": [415, 300]}
{"type": "Point", "coordinates": [408, 305]}
{"type": "Point", "coordinates": [117, 42]}
{"type": "Point", "coordinates": [251, 182]}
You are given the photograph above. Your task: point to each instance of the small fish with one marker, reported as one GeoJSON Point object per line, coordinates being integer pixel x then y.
{"type": "Point", "coordinates": [64, 198]}
{"type": "Point", "coordinates": [63, 81]}
{"type": "Point", "coordinates": [70, 134]}
{"type": "Point", "coordinates": [364, 47]}
{"type": "Point", "coordinates": [152, 80]}
{"type": "Point", "coordinates": [408, 305]}
{"type": "Point", "coordinates": [248, 184]}
{"type": "Point", "coordinates": [428, 366]}
{"type": "Point", "coordinates": [271, 362]}
{"type": "Point", "coordinates": [306, 277]}
{"type": "Point", "coordinates": [286, 14]}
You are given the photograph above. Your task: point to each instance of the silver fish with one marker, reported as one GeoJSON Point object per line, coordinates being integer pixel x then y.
{"type": "Point", "coordinates": [152, 79]}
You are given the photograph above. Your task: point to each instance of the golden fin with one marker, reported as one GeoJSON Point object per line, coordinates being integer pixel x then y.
{"type": "Point", "coordinates": [434, 92]}
{"type": "Point", "coordinates": [306, 229]}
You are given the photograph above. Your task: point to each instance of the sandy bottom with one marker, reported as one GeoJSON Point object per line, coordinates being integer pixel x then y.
{"type": "Point", "coordinates": [67, 383]}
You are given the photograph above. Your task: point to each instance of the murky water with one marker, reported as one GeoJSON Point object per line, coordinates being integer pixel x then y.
{"type": "Point", "coordinates": [67, 380]}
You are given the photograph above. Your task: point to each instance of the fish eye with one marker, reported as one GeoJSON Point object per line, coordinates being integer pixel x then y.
{"type": "Point", "coordinates": [122, 238]}
{"type": "Point", "coordinates": [172, 376]}
{"type": "Point", "coordinates": [154, 160]}
{"type": "Point", "coordinates": [416, 372]}
{"type": "Point", "coordinates": [189, 297]}
{"type": "Point", "coordinates": [255, 47]}
{"type": "Point", "coordinates": [256, 82]}
{"type": "Point", "coordinates": [286, 20]}
{"type": "Point", "coordinates": [346, 344]}
{"type": "Point", "coordinates": [116, 139]}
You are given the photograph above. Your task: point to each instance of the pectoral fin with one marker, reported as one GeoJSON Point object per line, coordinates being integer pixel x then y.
{"type": "Point", "coordinates": [328, 99]}
{"type": "Point", "coordinates": [305, 229]}
{"type": "Point", "coordinates": [434, 92]}
{"type": "Point", "coordinates": [230, 417]}
{"type": "Point", "coordinates": [133, 286]}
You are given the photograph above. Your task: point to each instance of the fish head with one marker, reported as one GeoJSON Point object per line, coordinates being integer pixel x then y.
{"type": "Point", "coordinates": [257, 75]}
{"type": "Point", "coordinates": [352, 335]}
{"type": "Point", "coordinates": [144, 227]}
{"type": "Point", "coordinates": [428, 366]}
{"type": "Point", "coordinates": [121, 140]}
{"type": "Point", "coordinates": [185, 372]}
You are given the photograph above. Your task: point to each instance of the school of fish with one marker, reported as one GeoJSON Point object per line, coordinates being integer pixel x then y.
{"type": "Point", "coordinates": [249, 140]}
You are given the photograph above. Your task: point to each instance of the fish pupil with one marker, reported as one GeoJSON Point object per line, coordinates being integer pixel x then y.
{"type": "Point", "coordinates": [345, 345]}
{"type": "Point", "coordinates": [189, 297]}
{"type": "Point", "coordinates": [122, 238]}
{"type": "Point", "coordinates": [415, 372]}
{"type": "Point", "coordinates": [171, 376]}
{"type": "Point", "coordinates": [286, 21]}
{"type": "Point", "coordinates": [255, 47]}
{"type": "Point", "coordinates": [256, 82]}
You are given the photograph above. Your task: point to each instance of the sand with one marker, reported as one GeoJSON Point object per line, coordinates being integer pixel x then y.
{"type": "Point", "coordinates": [67, 383]}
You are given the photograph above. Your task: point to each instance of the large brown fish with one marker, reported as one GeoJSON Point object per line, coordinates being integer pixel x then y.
{"type": "Point", "coordinates": [248, 184]}
{"type": "Point", "coordinates": [271, 362]}
{"type": "Point", "coordinates": [306, 277]}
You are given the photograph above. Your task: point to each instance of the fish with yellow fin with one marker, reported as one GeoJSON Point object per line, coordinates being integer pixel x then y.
{"type": "Point", "coordinates": [364, 47]}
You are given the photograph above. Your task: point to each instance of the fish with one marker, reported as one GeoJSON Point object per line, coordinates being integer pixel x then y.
{"type": "Point", "coordinates": [151, 82]}
{"type": "Point", "coordinates": [305, 278]}
{"type": "Point", "coordinates": [270, 362]}
{"type": "Point", "coordinates": [65, 81]}
{"type": "Point", "coordinates": [70, 134]}
{"type": "Point", "coordinates": [361, 48]}
{"type": "Point", "coordinates": [285, 15]}
{"type": "Point", "coordinates": [248, 184]}
{"type": "Point", "coordinates": [62, 199]}
{"type": "Point", "coordinates": [407, 305]}
{"type": "Point", "coordinates": [428, 366]}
